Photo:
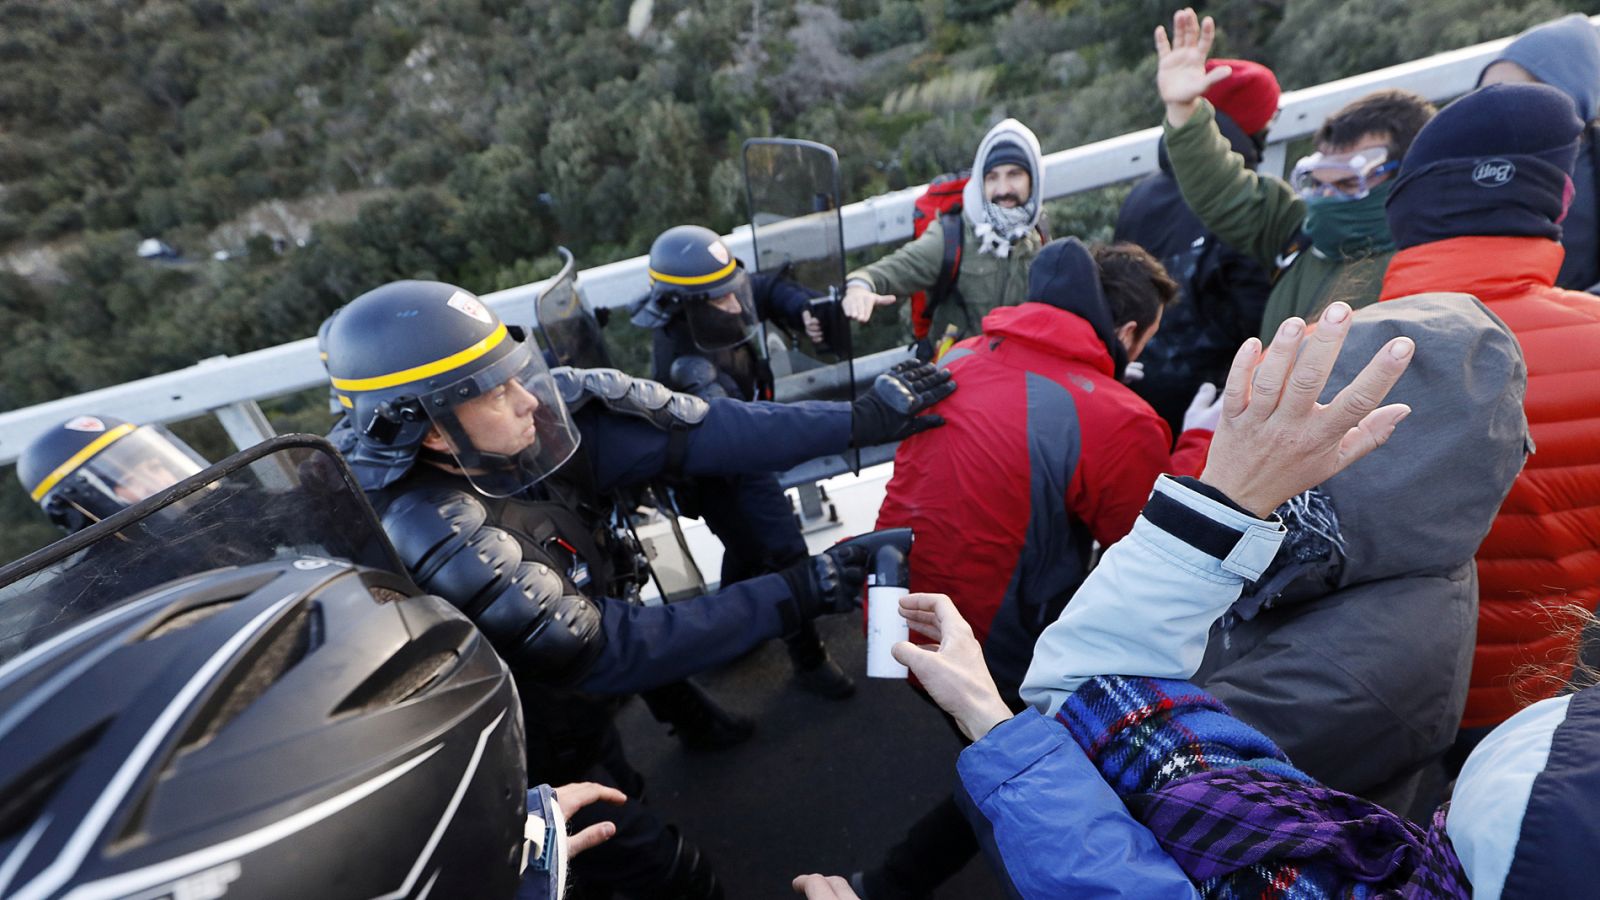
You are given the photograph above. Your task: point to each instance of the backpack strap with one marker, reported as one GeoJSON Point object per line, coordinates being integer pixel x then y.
{"type": "Point", "coordinates": [944, 286]}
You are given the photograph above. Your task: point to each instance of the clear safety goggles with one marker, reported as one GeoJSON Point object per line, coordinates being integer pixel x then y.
{"type": "Point", "coordinates": [725, 318]}
{"type": "Point", "coordinates": [505, 424]}
{"type": "Point", "coordinates": [1342, 176]}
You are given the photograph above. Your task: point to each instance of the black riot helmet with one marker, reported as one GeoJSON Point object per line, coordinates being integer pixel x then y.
{"type": "Point", "coordinates": [295, 728]}
{"type": "Point", "coordinates": [91, 467]}
{"type": "Point", "coordinates": [423, 361]}
{"type": "Point", "coordinates": [693, 274]}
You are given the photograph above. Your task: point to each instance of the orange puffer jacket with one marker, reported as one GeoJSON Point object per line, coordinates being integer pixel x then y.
{"type": "Point", "coordinates": [1542, 556]}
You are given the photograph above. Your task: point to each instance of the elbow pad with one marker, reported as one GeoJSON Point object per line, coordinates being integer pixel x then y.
{"type": "Point", "coordinates": [698, 376]}
{"type": "Point", "coordinates": [538, 623]}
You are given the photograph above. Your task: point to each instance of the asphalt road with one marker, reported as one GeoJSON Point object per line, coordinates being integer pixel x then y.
{"type": "Point", "coordinates": [823, 786]}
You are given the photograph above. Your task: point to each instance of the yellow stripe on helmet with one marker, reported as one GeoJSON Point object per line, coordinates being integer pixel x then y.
{"type": "Point", "coordinates": [695, 280]}
{"type": "Point", "coordinates": [426, 370]}
{"type": "Point", "coordinates": [81, 457]}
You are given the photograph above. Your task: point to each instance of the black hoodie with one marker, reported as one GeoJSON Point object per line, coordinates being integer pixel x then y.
{"type": "Point", "coordinates": [1222, 292]}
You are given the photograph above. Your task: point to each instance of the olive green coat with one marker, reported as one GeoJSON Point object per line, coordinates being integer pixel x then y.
{"type": "Point", "coordinates": [1258, 216]}
{"type": "Point", "coordinates": [985, 281]}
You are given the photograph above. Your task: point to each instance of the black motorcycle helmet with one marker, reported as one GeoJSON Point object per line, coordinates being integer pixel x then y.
{"type": "Point", "coordinates": [693, 274]}
{"type": "Point", "coordinates": [296, 728]}
{"type": "Point", "coordinates": [91, 467]}
{"type": "Point", "coordinates": [414, 356]}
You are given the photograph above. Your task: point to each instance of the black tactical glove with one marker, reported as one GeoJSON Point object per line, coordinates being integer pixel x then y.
{"type": "Point", "coordinates": [830, 582]}
{"type": "Point", "coordinates": [888, 411]}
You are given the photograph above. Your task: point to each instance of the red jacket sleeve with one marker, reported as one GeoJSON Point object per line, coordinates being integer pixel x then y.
{"type": "Point", "coordinates": [1189, 457]}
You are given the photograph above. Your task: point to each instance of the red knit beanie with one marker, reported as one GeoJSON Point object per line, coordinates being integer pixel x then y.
{"type": "Point", "coordinates": [1249, 95]}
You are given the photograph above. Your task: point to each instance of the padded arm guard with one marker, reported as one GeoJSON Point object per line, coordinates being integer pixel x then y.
{"type": "Point", "coordinates": [524, 608]}
{"type": "Point", "coordinates": [622, 393]}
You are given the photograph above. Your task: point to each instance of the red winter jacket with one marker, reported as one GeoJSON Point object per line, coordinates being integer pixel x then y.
{"type": "Point", "coordinates": [1042, 451]}
{"type": "Point", "coordinates": [1542, 555]}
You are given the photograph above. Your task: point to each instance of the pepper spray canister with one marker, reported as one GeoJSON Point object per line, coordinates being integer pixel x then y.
{"type": "Point", "coordinates": [889, 580]}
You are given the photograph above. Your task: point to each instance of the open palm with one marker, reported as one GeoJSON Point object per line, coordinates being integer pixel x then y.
{"type": "Point", "coordinates": [1181, 75]}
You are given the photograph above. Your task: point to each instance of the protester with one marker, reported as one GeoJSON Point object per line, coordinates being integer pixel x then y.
{"type": "Point", "coordinates": [1565, 54]}
{"type": "Point", "coordinates": [1000, 214]}
{"type": "Point", "coordinates": [1043, 452]}
{"type": "Point", "coordinates": [454, 420]}
{"type": "Point", "coordinates": [1477, 209]}
{"type": "Point", "coordinates": [1323, 238]}
{"type": "Point", "coordinates": [1368, 614]}
{"type": "Point", "coordinates": [1222, 291]}
{"type": "Point", "coordinates": [705, 314]}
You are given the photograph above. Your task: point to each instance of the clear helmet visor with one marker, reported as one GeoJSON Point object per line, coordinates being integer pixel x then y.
{"type": "Point", "coordinates": [147, 461]}
{"type": "Point", "coordinates": [506, 425]}
{"type": "Point", "coordinates": [724, 318]}
{"type": "Point", "coordinates": [1346, 176]}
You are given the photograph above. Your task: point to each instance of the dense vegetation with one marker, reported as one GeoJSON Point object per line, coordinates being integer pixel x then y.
{"type": "Point", "coordinates": [464, 139]}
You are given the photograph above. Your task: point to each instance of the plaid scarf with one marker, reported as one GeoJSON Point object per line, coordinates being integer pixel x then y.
{"type": "Point", "coordinates": [1235, 815]}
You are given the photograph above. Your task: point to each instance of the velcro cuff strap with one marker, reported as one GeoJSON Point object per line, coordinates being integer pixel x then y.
{"type": "Point", "coordinates": [1242, 544]}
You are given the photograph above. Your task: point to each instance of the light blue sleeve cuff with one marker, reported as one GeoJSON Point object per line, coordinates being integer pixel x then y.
{"type": "Point", "coordinates": [1147, 609]}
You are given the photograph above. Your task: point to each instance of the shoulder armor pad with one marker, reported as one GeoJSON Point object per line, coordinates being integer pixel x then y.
{"type": "Point", "coordinates": [526, 609]}
{"type": "Point", "coordinates": [622, 393]}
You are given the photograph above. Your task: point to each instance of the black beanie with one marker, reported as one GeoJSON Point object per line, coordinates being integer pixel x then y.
{"type": "Point", "coordinates": [1065, 276]}
{"type": "Point", "coordinates": [1008, 153]}
{"type": "Point", "coordinates": [1496, 162]}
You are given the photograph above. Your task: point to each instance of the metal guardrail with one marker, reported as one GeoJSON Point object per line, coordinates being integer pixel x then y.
{"type": "Point", "coordinates": [229, 387]}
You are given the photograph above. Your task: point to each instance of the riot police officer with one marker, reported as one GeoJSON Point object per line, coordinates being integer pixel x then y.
{"type": "Point", "coordinates": [455, 427]}
{"type": "Point", "coordinates": [705, 312]}
{"type": "Point", "coordinates": [91, 467]}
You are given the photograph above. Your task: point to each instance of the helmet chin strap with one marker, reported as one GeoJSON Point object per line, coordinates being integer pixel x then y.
{"type": "Point", "coordinates": [475, 463]}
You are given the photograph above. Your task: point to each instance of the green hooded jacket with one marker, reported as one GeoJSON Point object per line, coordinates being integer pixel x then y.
{"type": "Point", "coordinates": [1258, 216]}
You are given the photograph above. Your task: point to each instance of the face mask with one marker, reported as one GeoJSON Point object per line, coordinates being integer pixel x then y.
{"type": "Point", "coordinates": [1350, 229]}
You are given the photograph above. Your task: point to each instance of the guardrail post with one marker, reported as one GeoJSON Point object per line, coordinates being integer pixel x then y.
{"type": "Point", "coordinates": [244, 422]}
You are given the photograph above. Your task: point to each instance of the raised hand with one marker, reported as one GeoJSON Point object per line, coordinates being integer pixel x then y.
{"type": "Point", "coordinates": [1274, 439]}
{"type": "Point", "coordinates": [1181, 74]}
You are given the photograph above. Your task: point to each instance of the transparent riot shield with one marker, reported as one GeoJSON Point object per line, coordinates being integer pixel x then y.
{"type": "Point", "coordinates": [661, 541]}
{"type": "Point", "coordinates": [793, 192]}
{"type": "Point", "coordinates": [290, 497]}
{"type": "Point", "coordinates": [570, 331]}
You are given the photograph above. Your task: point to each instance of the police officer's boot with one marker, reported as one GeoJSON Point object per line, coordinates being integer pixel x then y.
{"type": "Point", "coordinates": [699, 721]}
{"type": "Point", "coordinates": [814, 670]}
{"type": "Point", "coordinates": [691, 877]}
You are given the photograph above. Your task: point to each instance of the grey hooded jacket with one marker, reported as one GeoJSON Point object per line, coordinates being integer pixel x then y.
{"type": "Point", "coordinates": [1353, 650]}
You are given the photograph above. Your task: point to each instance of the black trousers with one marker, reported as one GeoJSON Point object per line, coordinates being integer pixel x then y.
{"type": "Point", "coordinates": [637, 861]}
